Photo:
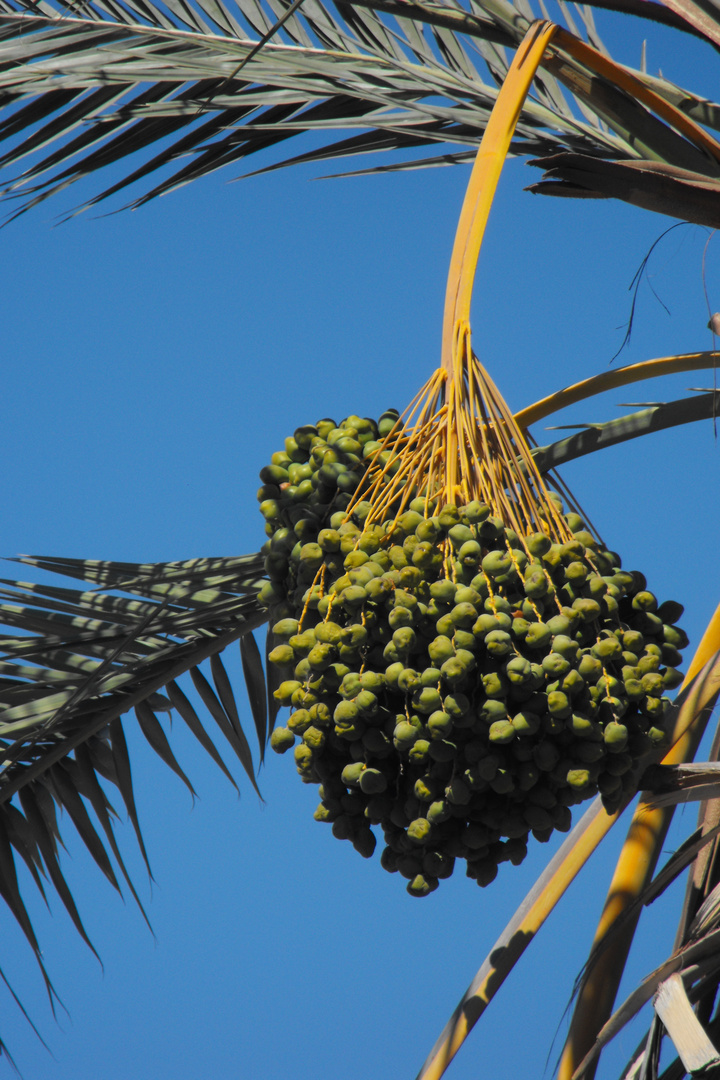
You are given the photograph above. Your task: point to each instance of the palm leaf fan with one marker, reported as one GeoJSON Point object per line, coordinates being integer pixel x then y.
{"type": "Point", "coordinates": [174, 92]}
{"type": "Point", "coordinates": [73, 661]}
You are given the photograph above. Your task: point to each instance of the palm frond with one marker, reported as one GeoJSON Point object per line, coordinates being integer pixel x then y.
{"type": "Point", "coordinates": [611, 379]}
{"type": "Point", "coordinates": [638, 858]}
{"type": "Point", "coordinates": [652, 185]}
{"type": "Point", "coordinates": [73, 662]}
{"type": "Point", "coordinates": [691, 711]}
{"type": "Point", "coordinates": [657, 417]}
{"type": "Point", "coordinates": [698, 967]}
{"type": "Point", "coordinates": [181, 89]}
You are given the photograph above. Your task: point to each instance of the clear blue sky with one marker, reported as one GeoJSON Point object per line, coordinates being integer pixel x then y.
{"type": "Point", "coordinates": [153, 362]}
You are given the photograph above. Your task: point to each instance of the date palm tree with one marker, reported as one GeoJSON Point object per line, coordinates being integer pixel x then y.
{"type": "Point", "coordinates": [171, 92]}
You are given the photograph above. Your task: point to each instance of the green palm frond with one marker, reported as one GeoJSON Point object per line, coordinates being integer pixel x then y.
{"type": "Point", "coordinates": [73, 661]}
{"type": "Point", "coordinates": [180, 90]}
{"type": "Point", "coordinates": [656, 417]}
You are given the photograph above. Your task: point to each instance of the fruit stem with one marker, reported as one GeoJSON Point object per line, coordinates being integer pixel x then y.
{"type": "Point", "coordinates": [484, 179]}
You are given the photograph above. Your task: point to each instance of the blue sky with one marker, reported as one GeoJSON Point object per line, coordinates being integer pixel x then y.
{"type": "Point", "coordinates": [153, 362]}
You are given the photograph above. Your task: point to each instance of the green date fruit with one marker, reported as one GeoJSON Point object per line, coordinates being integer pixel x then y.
{"type": "Point", "coordinates": [456, 684]}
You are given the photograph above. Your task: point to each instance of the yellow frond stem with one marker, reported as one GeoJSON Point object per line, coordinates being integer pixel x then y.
{"type": "Point", "coordinates": [506, 953]}
{"type": "Point", "coordinates": [709, 645]}
{"type": "Point", "coordinates": [633, 872]}
{"type": "Point", "coordinates": [570, 860]}
{"type": "Point", "coordinates": [610, 380]}
{"type": "Point", "coordinates": [619, 76]}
